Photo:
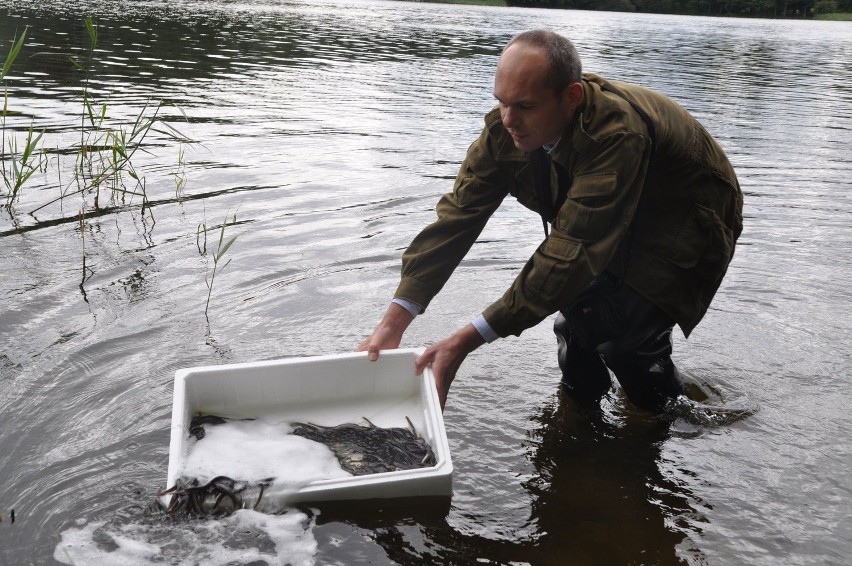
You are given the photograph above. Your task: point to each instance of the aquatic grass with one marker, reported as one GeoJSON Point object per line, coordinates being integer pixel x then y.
{"type": "Point", "coordinates": [222, 248]}
{"type": "Point", "coordinates": [107, 160]}
{"type": "Point", "coordinates": [86, 69]}
{"type": "Point", "coordinates": [87, 271]}
{"type": "Point", "coordinates": [113, 149]}
{"type": "Point", "coordinates": [21, 165]}
{"type": "Point", "coordinates": [180, 174]}
{"type": "Point", "coordinates": [106, 153]}
{"type": "Point", "coordinates": [104, 158]}
{"type": "Point", "coordinates": [17, 44]}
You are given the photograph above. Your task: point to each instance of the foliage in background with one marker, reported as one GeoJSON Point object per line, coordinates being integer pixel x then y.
{"type": "Point", "coordinates": [763, 8]}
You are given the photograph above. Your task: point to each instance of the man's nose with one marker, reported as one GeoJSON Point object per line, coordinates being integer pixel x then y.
{"type": "Point", "coordinates": [509, 118]}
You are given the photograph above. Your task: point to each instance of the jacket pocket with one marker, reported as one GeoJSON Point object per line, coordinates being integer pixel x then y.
{"type": "Point", "coordinates": [589, 210]}
{"type": "Point", "coordinates": [552, 265]}
{"type": "Point", "coordinates": [703, 244]}
{"type": "Point", "coordinates": [593, 185]}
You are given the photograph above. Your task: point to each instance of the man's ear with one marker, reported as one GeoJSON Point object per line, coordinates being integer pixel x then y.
{"type": "Point", "coordinates": [573, 95]}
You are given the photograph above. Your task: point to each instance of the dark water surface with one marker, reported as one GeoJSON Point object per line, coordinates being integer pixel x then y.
{"type": "Point", "coordinates": [330, 128]}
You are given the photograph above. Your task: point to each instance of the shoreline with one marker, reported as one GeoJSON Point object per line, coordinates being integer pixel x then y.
{"type": "Point", "coordinates": [831, 16]}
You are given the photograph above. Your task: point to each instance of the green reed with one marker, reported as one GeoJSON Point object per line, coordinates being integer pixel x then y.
{"type": "Point", "coordinates": [26, 161]}
{"type": "Point", "coordinates": [222, 248]}
{"type": "Point", "coordinates": [10, 58]}
{"type": "Point", "coordinates": [104, 158]}
{"type": "Point", "coordinates": [180, 174]}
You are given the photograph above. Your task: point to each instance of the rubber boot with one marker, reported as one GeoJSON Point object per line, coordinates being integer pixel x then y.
{"type": "Point", "coordinates": [640, 357]}
{"type": "Point", "coordinates": [585, 377]}
{"type": "Point", "coordinates": [651, 387]}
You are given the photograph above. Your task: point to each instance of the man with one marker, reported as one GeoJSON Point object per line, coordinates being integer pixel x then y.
{"type": "Point", "coordinates": [644, 211]}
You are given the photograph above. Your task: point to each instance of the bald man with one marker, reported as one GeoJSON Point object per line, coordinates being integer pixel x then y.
{"type": "Point", "coordinates": [640, 209]}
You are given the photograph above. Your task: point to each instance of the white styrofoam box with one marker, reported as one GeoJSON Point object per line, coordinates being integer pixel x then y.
{"type": "Point", "coordinates": [327, 391]}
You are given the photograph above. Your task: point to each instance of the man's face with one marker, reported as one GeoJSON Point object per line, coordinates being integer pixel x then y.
{"type": "Point", "coordinates": [532, 112]}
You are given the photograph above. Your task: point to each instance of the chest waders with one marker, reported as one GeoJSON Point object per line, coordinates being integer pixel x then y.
{"type": "Point", "coordinates": [609, 326]}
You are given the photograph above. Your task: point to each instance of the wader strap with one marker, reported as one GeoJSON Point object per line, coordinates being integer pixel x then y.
{"type": "Point", "coordinates": [653, 135]}
{"type": "Point", "coordinates": [540, 163]}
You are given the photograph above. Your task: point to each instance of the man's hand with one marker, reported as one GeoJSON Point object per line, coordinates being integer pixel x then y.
{"type": "Point", "coordinates": [388, 334]}
{"type": "Point", "coordinates": [445, 358]}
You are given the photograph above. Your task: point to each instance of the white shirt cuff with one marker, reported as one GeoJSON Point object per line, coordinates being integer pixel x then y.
{"type": "Point", "coordinates": [484, 329]}
{"type": "Point", "coordinates": [410, 306]}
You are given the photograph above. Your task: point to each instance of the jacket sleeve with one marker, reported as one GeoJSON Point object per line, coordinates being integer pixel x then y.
{"type": "Point", "coordinates": [462, 214]}
{"type": "Point", "coordinates": [590, 225]}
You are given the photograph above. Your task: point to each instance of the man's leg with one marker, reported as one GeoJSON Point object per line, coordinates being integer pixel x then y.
{"type": "Point", "coordinates": [640, 358]}
{"type": "Point", "coordinates": [585, 377]}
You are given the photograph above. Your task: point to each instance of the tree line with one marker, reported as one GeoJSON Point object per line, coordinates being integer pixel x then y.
{"type": "Point", "coordinates": [754, 8]}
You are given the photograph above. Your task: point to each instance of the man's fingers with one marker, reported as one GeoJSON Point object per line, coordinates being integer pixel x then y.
{"type": "Point", "coordinates": [373, 353]}
{"type": "Point", "coordinates": [371, 349]}
{"type": "Point", "coordinates": [422, 361]}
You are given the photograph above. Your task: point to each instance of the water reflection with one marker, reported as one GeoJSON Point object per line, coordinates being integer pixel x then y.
{"type": "Point", "coordinates": [602, 493]}
{"type": "Point", "coordinates": [600, 485]}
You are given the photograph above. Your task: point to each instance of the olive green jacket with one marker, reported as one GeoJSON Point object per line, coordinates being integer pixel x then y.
{"type": "Point", "coordinates": [655, 202]}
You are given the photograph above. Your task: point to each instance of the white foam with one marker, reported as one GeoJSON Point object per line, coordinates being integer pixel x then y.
{"type": "Point", "coordinates": [254, 450]}
{"type": "Point", "coordinates": [276, 539]}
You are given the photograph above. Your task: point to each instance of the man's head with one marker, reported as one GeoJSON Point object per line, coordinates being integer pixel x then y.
{"type": "Point", "coordinates": [537, 86]}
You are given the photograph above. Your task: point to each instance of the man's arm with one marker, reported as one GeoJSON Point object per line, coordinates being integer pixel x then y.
{"type": "Point", "coordinates": [434, 254]}
{"type": "Point", "coordinates": [479, 188]}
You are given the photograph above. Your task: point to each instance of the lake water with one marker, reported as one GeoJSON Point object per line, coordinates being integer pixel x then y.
{"type": "Point", "coordinates": [329, 129]}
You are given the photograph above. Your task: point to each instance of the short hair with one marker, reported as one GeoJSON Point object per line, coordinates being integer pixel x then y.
{"type": "Point", "coordinates": [565, 65]}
